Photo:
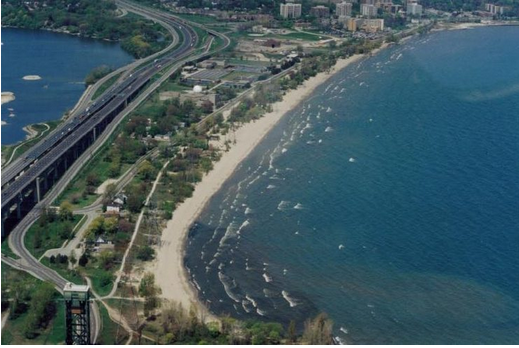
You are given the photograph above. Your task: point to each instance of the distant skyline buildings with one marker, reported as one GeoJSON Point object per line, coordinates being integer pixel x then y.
{"type": "Point", "coordinates": [414, 9]}
{"type": "Point", "coordinates": [320, 11]}
{"type": "Point", "coordinates": [495, 9]}
{"type": "Point", "coordinates": [343, 9]}
{"type": "Point", "coordinates": [368, 10]}
{"type": "Point", "coordinates": [290, 10]}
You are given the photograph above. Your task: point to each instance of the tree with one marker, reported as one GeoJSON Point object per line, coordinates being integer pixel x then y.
{"type": "Point", "coordinates": [292, 335]}
{"type": "Point", "coordinates": [146, 170]}
{"type": "Point", "coordinates": [83, 260]}
{"type": "Point", "coordinates": [135, 201]}
{"type": "Point", "coordinates": [145, 253]}
{"type": "Point", "coordinates": [110, 192]}
{"type": "Point", "coordinates": [65, 211]}
{"type": "Point", "coordinates": [149, 291]}
{"type": "Point", "coordinates": [111, 225]}
{"type": "Point", "coordinates": [106, 259]}
{"type": "Point", "coordinates": [42, 309]}
{"type": "Point", "coordinates": [318, 330]}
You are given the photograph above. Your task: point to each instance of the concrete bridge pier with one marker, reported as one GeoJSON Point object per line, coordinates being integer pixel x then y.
{"type": "Point", "coordinates": [19, 206]}
{"type": "Point", "coordinates": [37, 191]}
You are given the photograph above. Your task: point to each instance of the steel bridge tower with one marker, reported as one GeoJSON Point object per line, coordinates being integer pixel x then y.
{"type": "Point", "coordinates": [77, 314]}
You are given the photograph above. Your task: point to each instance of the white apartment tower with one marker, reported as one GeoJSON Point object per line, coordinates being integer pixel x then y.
{"type": "Point", "coordinates": [290, 10]}
{"type": "Point", "coordinates": [368, 10]}
{"type": "Point", "coordinates": [414, 9]}
{"type": "Point", "coordinates": [343, 9]}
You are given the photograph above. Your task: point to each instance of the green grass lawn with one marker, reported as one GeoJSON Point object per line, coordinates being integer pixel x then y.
{"type": "Point", "coordinates": [7, 251]}
{"type": "Point", "coordinates": [42, 238]}
{"type": "Point", "coordinates": [197, 18]}
{"type": "Point", "coordinates": [97, 275]}
{"type": "Point", "coordinates": [7, 150]}
{"type": "Point", "coordinates": [75, 189]}
{"type": "Point", "coordinates": [297, 36]}
{"type": "Point", "coordinates": [62, 270]}
{"type": "Point", "coordinates": [106, 85]}
{"type": "Point", "coordinates": [238, 75]}
{"type": "Point", "coordinates": [248, 62]}
{"type": "Point", "coordinates": [112, 333]}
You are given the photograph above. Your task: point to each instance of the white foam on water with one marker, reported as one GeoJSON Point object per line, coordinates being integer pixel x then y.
{"type": "Point", "coordinates": [230, 232]}
{"type": "Point", "coordinates": [253, 180]}
{"type": "Point", "coordinates": [291, 301]}
{"type": "Point", "coordinates": [260, 312]}
{"type": "Point", "coordinates": [228, 284]}
{"type": "Point", "coordinates": [284, 205]}
{"type": "Point", "coordinates": [329, 109]}
{"type": "Point", "coordinates": [284, 150]}
{"type": "Point", "coordinates": [328, 87]}
{"type": "Point", "coordinates": [340, 341]}
{"type": "Point", "coordinates": [244, 304]}
{"type": "Point", "coordinates": [242, 226]}
{"type": "Point", "coordinates": [251, 300]}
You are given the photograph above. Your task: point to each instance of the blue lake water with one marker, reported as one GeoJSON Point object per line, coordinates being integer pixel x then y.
{"type": "Point", "coordinates": [62, 61]}
{"type": "Point", "coordinates": [389, 200]}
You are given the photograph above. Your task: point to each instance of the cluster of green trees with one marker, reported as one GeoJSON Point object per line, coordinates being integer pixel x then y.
{"type": "Point", "coordinates": [176, 325]}
{"type": "Point", "coordinates": [31, 303]}
{"type": "Point", "coordinates": [253, 108]}
{"type": "Point", "coordinates": [97, 74]}
{"type": "Point", "coordinates": [51, 229]}
{"type": "Point", "coordinates": [89, 18]}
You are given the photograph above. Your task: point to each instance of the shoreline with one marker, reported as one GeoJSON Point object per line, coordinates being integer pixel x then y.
{"type": "Point", "coordinates": [7, 97]}
{"type": "Point", "coordinates": [171, 275]}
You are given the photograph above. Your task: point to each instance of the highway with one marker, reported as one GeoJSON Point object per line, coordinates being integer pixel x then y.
{"type": "Point", "coordinates": [55, 145]}
{"type": "Point", "coordinates": [15, 168]}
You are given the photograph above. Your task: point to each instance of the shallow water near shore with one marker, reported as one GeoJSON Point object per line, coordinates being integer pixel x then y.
{"type": "Point", "coordinates": [62, 61]}
{"type": "Point", "coordinates": [389, 200]}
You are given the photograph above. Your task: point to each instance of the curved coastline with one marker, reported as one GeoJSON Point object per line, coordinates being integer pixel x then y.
{"type": "Point", "coordinates": [169, 269]}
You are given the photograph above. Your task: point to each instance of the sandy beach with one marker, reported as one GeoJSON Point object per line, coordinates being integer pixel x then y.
{"type": "Point", "coordinates": [169, 269]}
{"type": "Point", "coordinates": [7, 97]}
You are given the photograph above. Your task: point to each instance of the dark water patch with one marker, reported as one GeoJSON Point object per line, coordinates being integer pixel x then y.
{"type": "Point", "coordinates": [62, 61]}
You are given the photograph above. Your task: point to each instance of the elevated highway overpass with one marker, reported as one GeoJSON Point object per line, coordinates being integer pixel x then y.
{"type": "Point", "coordinates": [26, 181]}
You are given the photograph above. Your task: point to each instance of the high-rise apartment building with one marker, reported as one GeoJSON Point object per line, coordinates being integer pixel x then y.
{"type": "Point", "coordinates": [343, 9]}
{"type": "Point", "coordinates": [290, 10]}
{"type": "Point", "coordinates": [368, 10]}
